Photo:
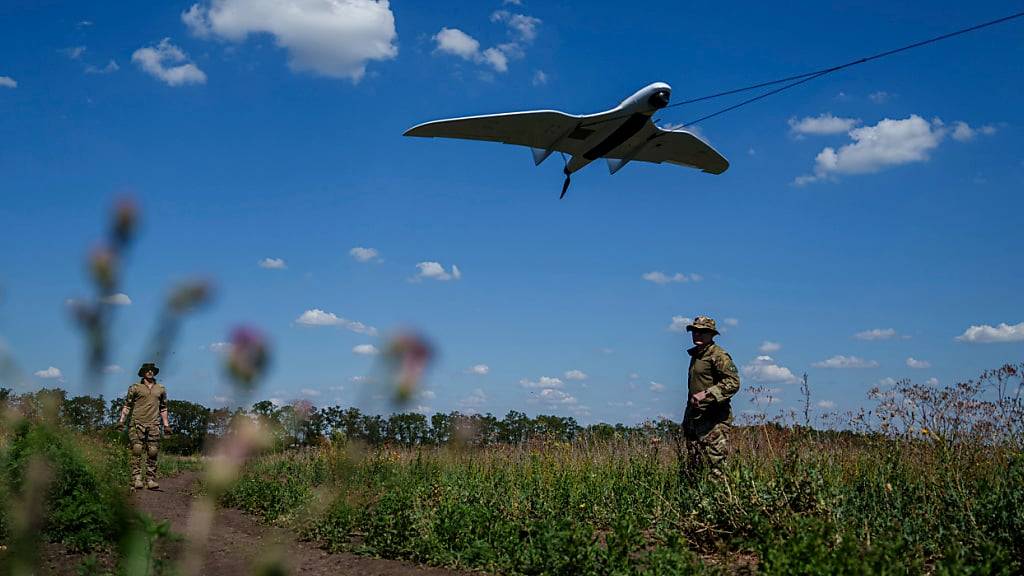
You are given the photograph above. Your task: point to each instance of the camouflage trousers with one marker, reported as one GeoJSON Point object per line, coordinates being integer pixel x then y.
{"type": "Point", "coordinates": [145, 441]}
{"type": "Point", "coordinates": [706, 443]}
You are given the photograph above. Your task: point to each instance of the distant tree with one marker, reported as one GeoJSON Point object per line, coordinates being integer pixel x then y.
{"type": "Point", "coordinates": [514, 428]}
{"type": "Point", "coordinates": [409, 429]}
{"type": "Point", "coordinates": [114, 412]}
{"type": "Point", "coordinates": [440, 428]}
{"type": "Point", "coordinates": [84, 413]}
{"type": "Point", "coordinates": [190, 423]}
{"type": "Point", "coordinates": [374, 429]}
{"type": "Point", "coordinates": [218, 423]}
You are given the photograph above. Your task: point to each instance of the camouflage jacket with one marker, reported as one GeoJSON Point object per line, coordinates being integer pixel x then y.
{"type": "Point", "coordinates": [712, 371]}
{"type": "Point", "coordinates": [146, 403]}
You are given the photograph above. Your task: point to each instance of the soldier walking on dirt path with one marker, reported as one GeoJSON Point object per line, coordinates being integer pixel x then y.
{"type": "Point", "coordinates": [147, 403]}
{"type": "Point", "coordinates": [712, 381]}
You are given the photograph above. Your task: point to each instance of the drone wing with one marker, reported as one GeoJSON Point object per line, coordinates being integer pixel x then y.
{"type": "Point", "coordinates": [682, 148]}
{"type": "Point", "coordinates": [542, 129]}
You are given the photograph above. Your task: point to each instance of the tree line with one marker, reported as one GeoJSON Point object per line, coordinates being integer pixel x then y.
{"type": "Point", "coordinates": [301, 423]}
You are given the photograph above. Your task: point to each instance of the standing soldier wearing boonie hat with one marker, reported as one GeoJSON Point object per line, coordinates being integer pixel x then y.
{"type": "Point", "coordinates": [147, 403]}
{"type": "Point", "coordinates": [712, 381]}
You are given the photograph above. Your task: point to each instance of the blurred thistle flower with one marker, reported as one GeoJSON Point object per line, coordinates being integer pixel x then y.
{"type": "Point", "coordinates": [248, 357]}
{"type": "Point", "coordinates": [125, 221]}
{"type": "Point", "coordinates": [407, 355]}
{"type": "Point", "coordinates": [103, 267]}
{"type": "Point", "coordinates": [190, 295]}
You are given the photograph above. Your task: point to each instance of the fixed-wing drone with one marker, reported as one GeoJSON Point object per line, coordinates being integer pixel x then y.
{"type": "Point", "coordinates": [620, 135]}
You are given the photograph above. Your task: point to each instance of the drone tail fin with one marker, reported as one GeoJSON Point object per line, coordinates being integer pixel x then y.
{"type": "Point", "coordinates": [540, 155]}
{"type": "Point", "coordinates": [616, 164]}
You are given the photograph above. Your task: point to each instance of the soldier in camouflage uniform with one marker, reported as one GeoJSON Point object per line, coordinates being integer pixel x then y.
{"type": "Point", "coordinates": [712, 381]}
{"type": "Point", "coordinates": [147, 403]}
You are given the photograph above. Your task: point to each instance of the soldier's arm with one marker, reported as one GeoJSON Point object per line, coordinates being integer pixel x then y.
{"type": "Point", "coordinates": [163, 409]}
{"type": "Point", "coordinates": [129, 401]}
{"type": "Point", "coordinates": [727, 378]}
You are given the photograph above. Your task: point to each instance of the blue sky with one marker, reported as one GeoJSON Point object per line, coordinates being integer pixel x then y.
{"type": "Point", "coordinates": [866, 224]}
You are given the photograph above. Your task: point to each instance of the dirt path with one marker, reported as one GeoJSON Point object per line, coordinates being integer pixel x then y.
{"type": "Point", "coordinates": [238, 540]}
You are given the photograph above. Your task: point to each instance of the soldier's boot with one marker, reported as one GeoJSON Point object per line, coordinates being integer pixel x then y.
{"type": "Point", "coordinates": [137, 483]}
{"type": "Point", "coordinates": [152, 485]}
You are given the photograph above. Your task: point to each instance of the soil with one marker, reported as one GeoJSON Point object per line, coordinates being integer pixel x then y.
{"type": "Point", "coordinates": [238, 542]}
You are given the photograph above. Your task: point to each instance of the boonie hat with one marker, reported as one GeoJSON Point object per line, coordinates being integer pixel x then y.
{"type": "Point", "coordinates": [150, 366]}
{"type": "Point", "coordinates": [702, 323]}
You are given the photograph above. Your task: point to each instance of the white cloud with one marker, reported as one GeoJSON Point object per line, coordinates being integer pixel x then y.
{"type": "Point", "coordinates": [732, 322]}
{"type": "Point", "coordinates": [51, 373]}
{"type": "Point", "coordinates": [110, 68]}
{"type": "Point", "coordinates": [765, 369]}
{"type": "Point", "coordinates": [918, 364]}
{"type": "Point", "coordinates": [422, 409]}
{"type": "Point", "coordinates": [963, 132]}
{"type": "Point", "coordinates": [309, 392]}
{"type": "Point", "coordinates": [886, 144]}
{"type": "Point", "coordinates": [427, 395]}
{"type": "Point", "coordinates": [767, 347]}
{"type": "Point", "coordinates": [887, 382]}
{"type": "Point", "coordinates": [661, 278]}
{"type": "Point", "coordinates": [273, 263]}
{"type": "Point", "coordinates": [679, 323]}
{"type": "Point", "coordinates": [575, 375]}
{"type": "Point", "coordinates": [496, 58]}
{"type": "Point", "coordinates": [656, 387]}
{"type": "Point", "coordinates": [539, 78]}
{"type": "Point", "coordinates": [435, 271]}
{"type": "Point", "coordinates": [554, 397]}
{"type": "Point", "coordinates": [155, 61]}
{"type": "Point", "coordinates": [988, 334]}
{"type": "Point", "coordinates": [480, 369]}
{"type": "Point", "coordinates": [334, 38]}
{"type": "Point", "coordinates": [118, 299]}
{"type": "Point", "coordinates": [365, 350]}
{"type": "Point", "coordinates": [318, 317]}
{"type": "Point", "coordinates": [476, 399]}
{"type": "Point", "coordinates": [879, 97]}
{"type": "Point", "coordinates": [876, 334]}
{"type": "Point", "coordinates": [840, 361]}
{"type": "Point", "coordinates": [364, 254]}
{"type": "Point", "coordinates": [455, 42]}
{"type": "Point", "coordinates": [821, 125]}
{"type": "Point", "coordinates": [8, 82]}
{"type": "Point", "coordinates": [543, 382]}
{"type": "Point", "coordinates": [74, 52]}
{"type": "Point", "coordinates": [524, 27]}
{"type": "Point", "coordinates": [219, 347]}
{"type": "Point", "coordinates": [933, 381]}
{"type": "Point", "coordinates": [112, 369]}
{"type": "Point", "coordinates": [826, 404]}
{"type": "Point", "coordinates": [221, 399]}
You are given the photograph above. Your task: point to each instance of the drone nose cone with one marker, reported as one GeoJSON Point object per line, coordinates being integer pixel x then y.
{"type": "Point", "coordinates": [659, 99]}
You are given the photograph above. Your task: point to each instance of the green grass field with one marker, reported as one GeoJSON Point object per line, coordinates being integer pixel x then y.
{"type": "Point", "coordinates": [811, 504]}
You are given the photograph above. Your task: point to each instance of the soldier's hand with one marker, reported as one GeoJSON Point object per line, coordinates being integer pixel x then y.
{"type": "Point", "coordinates": [168, 431]}
{"type": "Point", "coordinates": [697, 398]}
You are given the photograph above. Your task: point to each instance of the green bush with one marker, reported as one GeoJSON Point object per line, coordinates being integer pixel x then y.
{"type": "Point", "coordinates": [85, 506]}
